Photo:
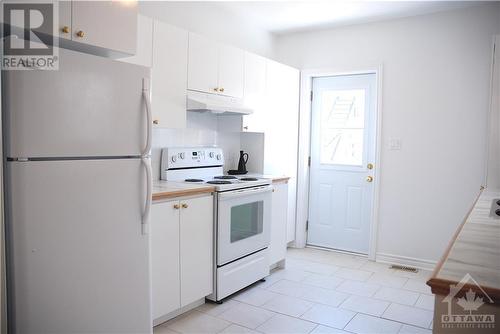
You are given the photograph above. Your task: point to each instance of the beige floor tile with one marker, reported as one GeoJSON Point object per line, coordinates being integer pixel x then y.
{"type": "Point", "coordinates": [197, 322]}
{"type": "Point", "coordinates": [288, 288]}
{"type": "Point", "coordinates": [399, 296]}
{"type": "Point", "coordinates": [408, 315]}
{"type": "Point", "coordinates": [353, 274]}
{"type": "Point", "coordinates": [255, 296]}
{"type": "Point", "coordinates": [321, 329]}
{"type": "Point", "coordinates": [291, 306]}
{"type": "Point", "coordinates": [417, 286]}
{"type": "Point", "coordinates": [286, 325]}
{"type": "Point", "coordinates": [237, 329]}
{"type": "Point", "coordinates": [425, 302]}
{"type": "Point", "coordinates": [329, 316]}
{"type": "Point", "coordinates": [387, 279]}
{"type": "Point", "coordinates": [323, 281]}
{"type": "Point", "coordinates": [358, 288]}
{"type": "Point", "coordinates": [407, 329]}
{"type": "Point", "coordinates": [324, 296]}
{"type": "Point", "coordinates": [214, 309]}
{"type": "Point", "coordinates": [163, 329]}
{"type": "Point", "coordinates": [366, 324]}
{"type": "Point", "coordinates": [365, 305]}
{"type": "Point", "coordinates": [246, 315]}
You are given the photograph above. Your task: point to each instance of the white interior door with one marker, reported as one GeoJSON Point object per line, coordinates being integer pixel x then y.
{"type": "Point", "coordinates": [342, 160]}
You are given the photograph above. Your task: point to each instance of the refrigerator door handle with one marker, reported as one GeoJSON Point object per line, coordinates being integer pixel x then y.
{"type": "Point", "coordinates": [149, 196]}
{"type": "Point", "coordinates": [149, 116]}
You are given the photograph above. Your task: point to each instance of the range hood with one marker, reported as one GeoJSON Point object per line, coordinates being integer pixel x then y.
{"type": "Point", "coordinates": [217, 104]}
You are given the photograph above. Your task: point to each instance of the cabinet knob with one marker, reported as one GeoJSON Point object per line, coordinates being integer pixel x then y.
{"type": "Point", "coordinates": [245, 128]}
{"type": "Point", "coordinates": [221, 90]}
{"type": "Point", "coordinates": [216, 89]}
{"type": "Point", "coordinates": [176, 206]}
{"type": "Point", "coordinates": [65, 29]}
{"type": "Point", "coordinates": [184, 206]}
{"type": "Point", "coordinates": [80, 33]}
{"type": "Point", "coordinates": [156, 122]}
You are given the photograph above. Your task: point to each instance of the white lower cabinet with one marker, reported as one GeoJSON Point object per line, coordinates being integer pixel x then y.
{"type": "Point", "coordinates": [181, 253]}
{"type": "Point", "coordinates": [279, 215]}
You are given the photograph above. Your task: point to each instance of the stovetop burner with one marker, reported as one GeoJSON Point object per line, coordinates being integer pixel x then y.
{"type": "Point", "coordinates": [193, 180]}
{"type": "Point", "coordinates": [225, 177]}
{"type": "Point", "coordinates": [249, 179]}
{"type": "Point", "coordinates": [219, 182]}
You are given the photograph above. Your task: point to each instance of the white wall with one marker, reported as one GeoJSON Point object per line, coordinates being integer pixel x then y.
{"type": "Point", "coordinates": [213, 21]}
{"type": "Point", "coordinates": [493, 180]}
{"type": "Point", "coordinates": [436, 77]}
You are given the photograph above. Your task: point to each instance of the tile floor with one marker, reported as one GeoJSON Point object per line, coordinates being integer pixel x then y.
{"type": "Point", "coordinates": [319, 292]}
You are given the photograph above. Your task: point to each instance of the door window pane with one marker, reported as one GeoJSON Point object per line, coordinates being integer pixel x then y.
{"type": "Point", "coordinates": [342, 127]}
{"type": "Point", "coordinates": [246, 220]}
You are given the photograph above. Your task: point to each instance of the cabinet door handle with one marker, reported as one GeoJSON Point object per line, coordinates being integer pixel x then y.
{"type": "Point", "coordinates": [80, 33]}
{"type": "Point", "coordinates": [176, 206]}
{"type": "Point", "coordinates": [65, 29]}
{"type": "Point", "coordinates": [184, 206]}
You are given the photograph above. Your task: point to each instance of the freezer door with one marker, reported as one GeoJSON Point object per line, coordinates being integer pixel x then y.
{"type": "Point", "coordinates": [91, 106]}
{"type": "Point", "coordinates": [79, 262]}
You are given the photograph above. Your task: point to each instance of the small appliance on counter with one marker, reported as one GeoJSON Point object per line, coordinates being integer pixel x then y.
{"type": "Point", "coordinates": [242, 207]}
{"type": "Point", "coordinates": [242, 165]}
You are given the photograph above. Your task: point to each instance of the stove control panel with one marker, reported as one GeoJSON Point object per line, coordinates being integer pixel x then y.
{"type": "Point", "coordinates": [190, 157]}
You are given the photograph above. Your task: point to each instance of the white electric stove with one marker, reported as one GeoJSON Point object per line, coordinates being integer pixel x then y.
{"type": "Point", "coordinates": [242, 208]}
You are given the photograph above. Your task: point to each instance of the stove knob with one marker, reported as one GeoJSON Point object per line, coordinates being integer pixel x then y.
{"type": "Point", "coordinates": [182, 155]}
{"type": "Point", "coordinates": [219, 156]}
{"type": "Point", "coordinates": [211, 154]}
{"type": "Point", "coordinates": [173, 158]}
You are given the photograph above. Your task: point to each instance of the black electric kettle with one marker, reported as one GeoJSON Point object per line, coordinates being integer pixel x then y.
{"type": "Point", "coordinates": [242, 164]}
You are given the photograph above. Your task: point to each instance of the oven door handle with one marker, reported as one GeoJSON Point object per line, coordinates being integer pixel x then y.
{"type": "Point", "coordinates": [245, 192]}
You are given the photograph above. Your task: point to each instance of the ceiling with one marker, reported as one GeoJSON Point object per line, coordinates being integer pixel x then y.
{"type": "Point", "coordinates": [283, 17]}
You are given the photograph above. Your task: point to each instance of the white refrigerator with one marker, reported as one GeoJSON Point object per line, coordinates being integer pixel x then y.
{"type": "Point", "coordinates": [78, 184]}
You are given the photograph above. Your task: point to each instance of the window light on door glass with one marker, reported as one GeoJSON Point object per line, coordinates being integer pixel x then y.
{"type": "Point", "coordinates": [342, 127]}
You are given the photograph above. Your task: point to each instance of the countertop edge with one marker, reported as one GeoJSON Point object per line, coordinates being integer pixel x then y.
{"type": "Point", "coordinates": [181, 192]}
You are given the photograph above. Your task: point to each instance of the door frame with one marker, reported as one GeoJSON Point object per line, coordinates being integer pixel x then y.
{"type": "Point", "coordinates": [303, 176]}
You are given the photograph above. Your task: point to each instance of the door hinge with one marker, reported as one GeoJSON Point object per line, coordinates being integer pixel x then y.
{"type": "Point", "coordinates": [307, 225]}
{"type": "Point", "coordinates": [311, 95]}
{"type": "Point", "coordinates": [309, 161]}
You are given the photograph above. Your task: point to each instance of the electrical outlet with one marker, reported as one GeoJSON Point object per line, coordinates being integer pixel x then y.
{"type": "Point", "coordinates": [394, 144]}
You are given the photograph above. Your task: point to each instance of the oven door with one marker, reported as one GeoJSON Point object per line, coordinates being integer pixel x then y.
{"type": "Point", "coordinates": [243, 222]}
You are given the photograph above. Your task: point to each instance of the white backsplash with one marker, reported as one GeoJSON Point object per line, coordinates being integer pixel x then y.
{"type": "Point", "coordinates": [206, 129]}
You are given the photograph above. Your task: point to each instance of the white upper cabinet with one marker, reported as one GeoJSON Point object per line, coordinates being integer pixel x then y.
{"type": "Point", "coordinates": [144, 54]}
{"type": "Point", "coordinates": [169, 76]}
{"type": "Point", "coordinates": [203, 64]}
{"type": "Point", "coordinates": [255, 92]}
{"type": "Point", "coordinates": [105, 24]}
{"type": "Point", "coordinates": [231, 71]}
{"type": "Point", "coordinates": [215, 68]}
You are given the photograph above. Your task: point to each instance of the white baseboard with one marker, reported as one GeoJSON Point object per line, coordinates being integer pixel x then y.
{"type": "Point", "coordinates": [178, 312]}
{"type": "Point", "coordinates": [406, 261]}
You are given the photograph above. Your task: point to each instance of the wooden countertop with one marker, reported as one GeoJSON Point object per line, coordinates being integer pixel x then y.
{"type": "Point", "coordinates": [168, 189]}
{"type": "Point", "coordinates": [474, 250]}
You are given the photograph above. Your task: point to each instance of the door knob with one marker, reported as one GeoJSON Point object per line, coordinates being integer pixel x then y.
{"type": "Point", "coordinates": [369, 166]}
{"type": "Point", "coordinates": [369, 179]}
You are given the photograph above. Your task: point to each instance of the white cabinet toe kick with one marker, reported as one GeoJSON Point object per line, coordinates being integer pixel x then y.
{"type": "Point", "coordinates": [239, 274]}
